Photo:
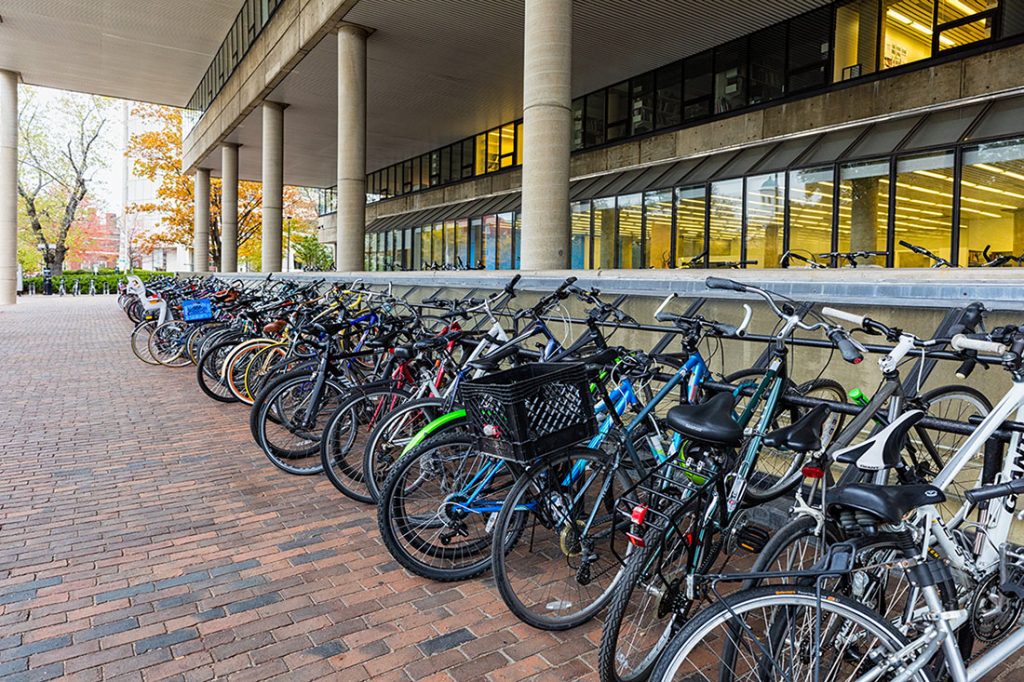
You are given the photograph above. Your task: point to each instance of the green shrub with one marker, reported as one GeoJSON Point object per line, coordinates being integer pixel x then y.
{"type": "Point", "coordinates": [111, 277]}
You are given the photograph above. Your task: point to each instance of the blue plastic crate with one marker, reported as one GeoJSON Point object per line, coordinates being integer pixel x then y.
{"type": "Point", "coordinates": [197, 310]}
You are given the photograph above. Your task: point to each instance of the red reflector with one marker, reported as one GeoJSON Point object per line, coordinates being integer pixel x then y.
{"type": "Point", "coordinates": [689, 539]}
{"type": "Point", "coordinates": [635, 540]}
{"type": "Point", "coordinates": [639, 514]}
{"type": "Point", "coordinates": [857, 361]}
{"type": "Point", "coordinates": [813, 472]}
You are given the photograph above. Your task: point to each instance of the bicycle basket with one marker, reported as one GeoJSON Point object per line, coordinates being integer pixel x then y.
{"type": "Point", "coordinates": [533, 410]}
{"type": "Point", "coordinates": [662, 493]}
{"type": "Point", "coordinates": [197, 310]}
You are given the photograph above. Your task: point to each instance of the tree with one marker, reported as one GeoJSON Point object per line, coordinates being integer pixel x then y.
{"type": "Point", "coordinates": [312, 254]}
{"type": "Point", "coordinates": [60, 150]}
{"type": "Point", "coordinates": [156, 156]}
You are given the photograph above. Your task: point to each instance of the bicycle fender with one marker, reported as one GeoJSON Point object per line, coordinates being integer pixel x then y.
{"type": "Point", "coordinates": [433, 427]}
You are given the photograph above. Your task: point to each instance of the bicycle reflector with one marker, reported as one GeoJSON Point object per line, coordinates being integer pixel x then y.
{"type": "Point", "coordinates": [813, 472]}
{"type": "Point", "coordinates": [639, 514]}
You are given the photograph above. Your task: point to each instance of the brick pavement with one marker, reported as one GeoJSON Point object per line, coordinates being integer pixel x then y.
{"type": "Point", "coordinates": [143, 535]}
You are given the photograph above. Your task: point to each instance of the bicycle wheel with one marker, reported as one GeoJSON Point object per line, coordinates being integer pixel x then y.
{"type": "Point", "coordinates": [167, 343]}
{"type": "Point", "coordinates": [235, 364]}
{"type": "Point", "coordinates": [790, 634]}
{"type": "Point", "coordinates": [210, 372]}
{"type": "Point", "coordinates": [437, 506]}
{"type": "Point", "coordinates": [259, 367]}
{"type": "Point", "coordinates": [930, 450]}
{"type": "Point", "coordinates": [346, 434]}
{"type": "Point", "coordinates": [291, 440]}
{"type": "Point", "coordinates": [647, 605]}
{"type": "Point", "coordinates": [140, 342]}
{"type": "Point", "coordinates": [565, 568]}
{"type": "Point", "coordinates": [390, 437]}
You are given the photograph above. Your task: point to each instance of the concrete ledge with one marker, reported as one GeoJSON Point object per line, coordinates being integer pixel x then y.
{"type": "Point", "coordinates": [1001, 289]}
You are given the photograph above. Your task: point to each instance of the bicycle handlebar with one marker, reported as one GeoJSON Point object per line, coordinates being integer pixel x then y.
{"type": "Point", "coordinates": [991, 492]}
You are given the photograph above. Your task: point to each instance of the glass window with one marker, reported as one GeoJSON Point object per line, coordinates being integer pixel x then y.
{"type": "Point", "coordinates": [810, 43]}
{"type": "Point", "coordinates": [423, 182]}
{"type": "Point", "coordinates": [864, 207]}
{"type": "Point", "coordinates": [416, 251]}
{"type": "Point", "coordinates": [406, 256]}
{"type": "Point", "coordinates": [467, 158]}
{"type": "Point", "coordinates": [768, 64]}
{"type": "Point", "coordinates": [508, 145]}
{"type": "Point", "coordinates": [435, 166]}
{"type": "Point", "coordinates": [658, 229]}
{"type": "Point", "coordinates": [810, 213]}
{"type": "Point", "coordinates": [766, 204]}
{"type": "Point", "coordinates": [943, 127]}
{"type": "Point", "coordinates": [604, 233]}
{"type": "Point", "coordinates": [517, 241]}
{"type": "Point", "coordinates": [368, 252]}
{"type": "Point", "coordinates": [519, 143]}
{"type": "Point", "coordinates": [618, 111]}
{"type": "Point", "coordinates": [641, 109]}
{"type": "Point", "coordinates": [505, 241]}
{"type": "Point", "coordinates": [489, 241]}
{"type": "Point", "coordinates": [731, 76]}
{"type": "Point", "coordinates": [445, 166]}
{"type": "Point", "coordinates": [856, 39]}
{"type": "Point", "coordinates": [1013, 17]}
{"type": "Point", "coordinates": [884, 138]}
{"type": "Point", "coordinates": [697, 86]}
{"type": "Point", "coordinates": [726, 226]}
{"type": "Point", "coordinates": [493, 150]}
{"type": "Point", "coordinates": [476, 253]}
{"type": "Point", "coordinates": [580, 250]}
{"type": "Point", "coordinates": [449, 242]}
{"type": "Point", "coordinates": [959, 35]}
{"type": "Point", "coordinates": [952, 10]}
{"type": "Point", "coordinates": [462, 243]}
{"type": "Point", "coordinates": [690, 203]}
{"type": "Point", "coordinates": [906, 31]}
{"type": "Point", "coordinates": [924, 207]}
{"type": "Point", "coordinates": [577, 123]}
{"type": "Point", "coordinates": [629, 247]}
{"type": "Point", "coordinates": [426, 248]}
{"type": "Point", "coordinates": [437, 244]}
{"type": "Point", "coordinates": [594, 125]}
{"type": "Point", "coordinates": [481, 154]}
{"type": "Point", "coordinates": [407, 176]}
{"type": "Point", "coordinates": [669, 81]}
{"type": "Point", "coordinates": [992, 202]}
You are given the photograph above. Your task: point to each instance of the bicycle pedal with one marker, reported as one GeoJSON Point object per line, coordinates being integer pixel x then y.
{"type": "Point", "coordinates": [750, 537]}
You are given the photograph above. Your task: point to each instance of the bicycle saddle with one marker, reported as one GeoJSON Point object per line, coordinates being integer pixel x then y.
{"type": "Point", "coordinates": [710, 421]}
{"type": "Point", "coordinates": [803, 435]}
{"type": "Point", "coordinates": [886, 503]}
{"type": "Point", "coordinates": [882, 450]}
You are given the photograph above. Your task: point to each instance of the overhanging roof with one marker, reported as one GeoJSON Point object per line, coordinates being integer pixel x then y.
{"type": "Point", "coordinates": [134, 49]}
{"type": "Point", "coordinates": [441, 71]}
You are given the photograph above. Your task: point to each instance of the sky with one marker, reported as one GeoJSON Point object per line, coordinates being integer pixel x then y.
{"type": "Point", "coordinates": [108, 188]}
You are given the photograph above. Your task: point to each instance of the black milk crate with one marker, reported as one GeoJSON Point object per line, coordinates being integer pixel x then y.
{"type": "Point", "coordinates": [666, 490]}
{"type": "Point", "coordinates": [525, 412]}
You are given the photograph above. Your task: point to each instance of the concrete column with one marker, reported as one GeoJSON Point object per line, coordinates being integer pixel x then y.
{"type": "Point", "coordinates": [547, 133]}
{"type": "Point", "coordinates": [229, 208]}
{"type": "Point", "coordinates": [201, 232]}
{"type": "Point", "coordinates": [273, 184]}
{"type": "Point", "coordinates": [8, 187]}
{"type": "Point", "coordinates": [351, 148]}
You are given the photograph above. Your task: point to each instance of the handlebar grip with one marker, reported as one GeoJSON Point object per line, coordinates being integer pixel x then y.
{"type": "Point", "coordinates": [510, 287]}
{"type": "Point", "coordinates": [726, 329]}
{"type": "Point", "coordinates": [991, 492]}
{"type": "Point", "coordinates": [849, 351]}
{"type": "Point", "coordinates": [843, 315]}
{"type": "Point", "coordinates": [961, 342]}
{"type": "Point", "coordinates": [723, 283]}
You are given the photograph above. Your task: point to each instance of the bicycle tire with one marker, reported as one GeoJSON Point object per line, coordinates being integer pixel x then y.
{"type": "Point", "coordinates": [382, 450]}
{"type": "Point", "coordinates": [140, 340]}
{"type": "Point", "coordinates": [209, 372]}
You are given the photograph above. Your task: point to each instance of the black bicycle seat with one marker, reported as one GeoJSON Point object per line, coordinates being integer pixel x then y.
{"type": "Point", "coordinates": [886, 503]}
{"type": "Point", "coordinates": [710, 421]}
{"type": "Point", "coordinates": [803, 435]}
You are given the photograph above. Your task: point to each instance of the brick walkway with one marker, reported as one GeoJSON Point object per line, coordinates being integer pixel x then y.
{"type": "Point", "coordinates": [142, 534]}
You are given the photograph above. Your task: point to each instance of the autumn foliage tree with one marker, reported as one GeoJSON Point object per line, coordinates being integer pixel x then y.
{"type": "Point", "coordinates": [61, 149]}
{"type": "Point", "coordinates": [156, 156]}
